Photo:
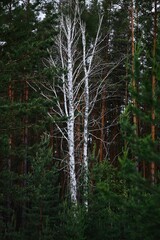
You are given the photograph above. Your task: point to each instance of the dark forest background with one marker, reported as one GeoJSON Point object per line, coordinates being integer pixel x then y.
{"type": "Point", "coordinates": [123, 191]}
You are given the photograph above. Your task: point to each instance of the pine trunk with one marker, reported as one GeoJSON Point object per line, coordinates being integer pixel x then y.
{"type": "Point", "coordinates": [153, 130]}
{"type": "Point", "coordinates": [135, 120]}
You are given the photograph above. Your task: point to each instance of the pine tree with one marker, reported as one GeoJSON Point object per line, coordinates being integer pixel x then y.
{"type": "Point", "coordinates": [141, 139]}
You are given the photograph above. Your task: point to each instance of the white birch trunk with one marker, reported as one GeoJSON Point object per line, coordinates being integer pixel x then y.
{"type": "Point", "coordinates": [86, 114]}
{"type": "Point", "coordinates": [87, 72]}
{"type": "Point", "coordinates": [85, 146]}
{"type": "Point", "coordinates": [71, 117]}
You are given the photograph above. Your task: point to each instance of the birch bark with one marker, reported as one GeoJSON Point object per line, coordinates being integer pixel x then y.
{"type": "Point", "coordinates": [71, 117]}
{"type": "Point", "coordinates": [86, 112]}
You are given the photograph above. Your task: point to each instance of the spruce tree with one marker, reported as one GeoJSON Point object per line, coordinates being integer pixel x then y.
{"type": "Point", "coordinates": [42, 196]}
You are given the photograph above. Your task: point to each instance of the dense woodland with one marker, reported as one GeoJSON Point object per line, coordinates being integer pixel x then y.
{"type": "Point", "coordinates": [79, 120]}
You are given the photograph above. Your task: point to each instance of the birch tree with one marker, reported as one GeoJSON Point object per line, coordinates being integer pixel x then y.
{"type": "Point", "coordinates": [72, 89]}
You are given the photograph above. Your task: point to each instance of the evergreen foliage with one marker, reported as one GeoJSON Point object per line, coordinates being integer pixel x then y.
{"type": "Point", "coordinates": [138, 138]}
{"type": "Point", "coordinates": [42, 190]}
{"type": "Point", "coordinates": [23, 112]}
{"type": "Point", "coordinates": [72, 223]}
{"type": "Point", "coordinates": [123, 201]}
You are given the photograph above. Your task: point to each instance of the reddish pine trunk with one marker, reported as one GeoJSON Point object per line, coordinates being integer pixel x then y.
{"type": "Point", "coordinates": [153, 130]}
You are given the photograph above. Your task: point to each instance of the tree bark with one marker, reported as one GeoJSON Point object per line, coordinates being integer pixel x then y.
{"type": "Point", "coordinates": [153, 129]}
{"type": "Point", "coordinates": [135, 119]}
{"type": "Point", "coordinates": [71, 117]}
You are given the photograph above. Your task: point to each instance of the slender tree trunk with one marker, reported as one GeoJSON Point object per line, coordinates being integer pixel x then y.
{"type": "Point", "coordinates": [135, 119]}
{"type": "Point", "coordinates": [51, 138]}
{"type": "Point", "coordinates": [24, 163]}
{"type": "Point", "coordinates": [10, 139]}
{"type": "Point", "coordinates": [10, 95]}
{"type": "Point", "coordinates": [10, 142]}
{"type": "Point", "coordinates": [86, 113]}
{"type": "Point", "coordinates": [153, 129]}
{"type": "Point", "coordinates": [126, 87]}
{"type": "Point", "coordinates": [71, 117]}
{"type": "Point", "coordinates": [26, 92]}
{"type": "Point", "coordinates": [79, 147]}
{"type": "Point", "coordinates": [85, 147]}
